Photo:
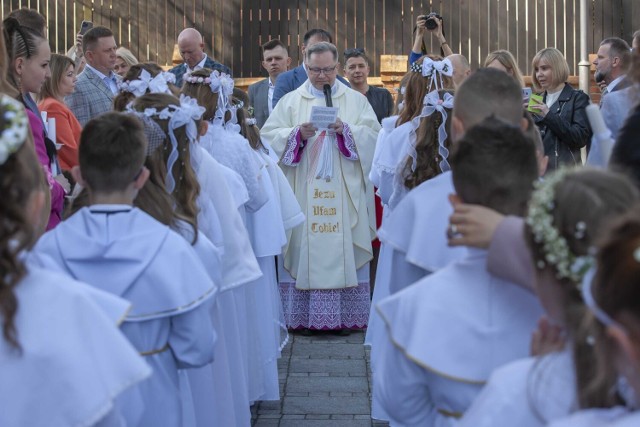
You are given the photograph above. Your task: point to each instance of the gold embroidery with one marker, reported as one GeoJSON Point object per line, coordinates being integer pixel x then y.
{"type": "Point", "coordinates": [450, 414]}
{"type": "Point", "coordinates": [419, 362]}
{"type": "Point", "coordinates": [324, 211]}
{"type": "Point", "coordinates": [152, 352]}
{"type": "Point", "coordinates": [327, 227]}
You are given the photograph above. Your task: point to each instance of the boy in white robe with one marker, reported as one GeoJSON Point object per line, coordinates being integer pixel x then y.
{"type": "Point", "coordinates": [122, 250]}
{"type": "Point", "coordinates": [450, 330]}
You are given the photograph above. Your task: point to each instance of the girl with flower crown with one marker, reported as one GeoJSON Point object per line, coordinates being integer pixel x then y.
{"type": "Point", "coordinates": [614, 301]}
{"type": "Point", "coordinates": [224, 142]}
{"type": "Point", "coordinates": [568, 214]}
{"type": "Point", "coordinates": [218, 396]}
{"type": "Point", "coordinates": [63, 360]}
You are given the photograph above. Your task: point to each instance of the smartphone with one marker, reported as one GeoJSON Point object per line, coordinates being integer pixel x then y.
{"type": "Point", "coordinates": [85, 26]}
{"type": "Point", "coordinates": [533, 100]}
{"type": "Point", "coordinates": [526, 94]}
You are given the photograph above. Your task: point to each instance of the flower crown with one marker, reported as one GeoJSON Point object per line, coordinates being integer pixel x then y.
{"type": "Point", "coordinates": [16, 126]}
{"type": "Point", "coordinates": [555, 249]}
{"type": "Point", "coordinates": [157, 84]}
{"type": "Point", "coordinates": [219, 83]}
{"type": "Point", "coordinates": [185, 115]}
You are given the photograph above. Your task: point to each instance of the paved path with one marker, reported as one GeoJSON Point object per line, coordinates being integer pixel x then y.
{"type": "Point", "coordinates": [324, 382]}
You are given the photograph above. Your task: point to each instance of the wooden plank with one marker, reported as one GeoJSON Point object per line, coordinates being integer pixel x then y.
{"type": "Point", "coordinates": [397, 26]}
{"type": "Point", "coordinates": [598, 24]}
{"type": "Point", "coordinates": [627, 20]}
{"type": "Point", "coordinates": [369, 28]}
{"type": "Point", "coordinates": [617, 19]}
{"type": "Point", "coordinates": [504, 20]}
{"type": "Point", "coordinates": [230, 35]}
{"type": "Point", "coordinates": [495, 8]}
{"type": "Point", "coordinates": [571, 26]}
{"type": "Point", "coordinates": [296, 31]}
{"type": "Point", "coordinates": [263, 24]}
{"type": "Point", "coordinates": [332, 24]}
{"type": "Point", "coordinates": [251, 35]}
{"type": "Point", "coordinates": [453, 26]}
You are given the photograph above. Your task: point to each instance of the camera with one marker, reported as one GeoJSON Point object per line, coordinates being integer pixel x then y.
{"type": "Point", "coordinates": [431, 23]}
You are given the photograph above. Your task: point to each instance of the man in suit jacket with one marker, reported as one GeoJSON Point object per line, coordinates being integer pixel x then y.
{"type": "Point", "coordinates": [293, 79]}
{"type": "Point", "coordinates": [612, 62]}
{"type": "Point", "coordinates": [191, 45]}
{"type": "Point", "coordinates": [275, 59]}
{"type": "Point", "coordinates": [97, 84]}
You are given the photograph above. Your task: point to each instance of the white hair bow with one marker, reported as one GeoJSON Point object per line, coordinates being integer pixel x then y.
{"type": "Point", "coordinates": [431, 104]}
{"type": "Point", "coordinates": [184, 115]}
{"type": "Point", "coordinates": [435, 70]}
{"type": "Point", "coordinates": [225, 92]}
{"type": "Point", "coordinates": [158, 84]}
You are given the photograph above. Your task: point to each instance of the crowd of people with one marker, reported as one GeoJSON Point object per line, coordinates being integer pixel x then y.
{"type": "Point", "coordinates": [163, 232]}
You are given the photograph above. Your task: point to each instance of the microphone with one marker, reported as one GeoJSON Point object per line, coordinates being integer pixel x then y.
{"type": "Point", "coordinates": [327, 95]}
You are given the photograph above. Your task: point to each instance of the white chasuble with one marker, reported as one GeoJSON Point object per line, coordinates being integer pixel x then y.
{"type": "Point", "coordinates": [336, 239]}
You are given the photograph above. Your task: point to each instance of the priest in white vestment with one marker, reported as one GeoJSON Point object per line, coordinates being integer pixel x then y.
{"type": "Point", "coordinates": [323, 273]}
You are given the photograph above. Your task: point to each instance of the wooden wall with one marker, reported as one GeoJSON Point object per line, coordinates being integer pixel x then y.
{"type": "Point", "coordinates": [234, 29]}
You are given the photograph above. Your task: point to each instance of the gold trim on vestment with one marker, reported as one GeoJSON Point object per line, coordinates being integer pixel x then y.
{"type": "Point", "coordinates": [450, 414]}
{"type": "Point", "coordinates": [124, 316]}
{"type": "Point", "coordinates": [420, 363]}
{"type": "Point", "coordinates": [152, 352]}
{"type": "Point", "coordinates": [177, 309]}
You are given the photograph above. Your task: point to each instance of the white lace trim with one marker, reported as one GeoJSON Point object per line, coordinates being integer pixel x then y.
{"type": "Point", "coordinates": [349, 143]}
{"type": "Point", "coordinates": [289, 154]}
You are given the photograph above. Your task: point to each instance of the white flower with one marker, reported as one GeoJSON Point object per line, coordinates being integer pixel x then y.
{"type": "Point", "coordinates": [555, 249]}
{"type": "Point", "coordinates": [16, 127]}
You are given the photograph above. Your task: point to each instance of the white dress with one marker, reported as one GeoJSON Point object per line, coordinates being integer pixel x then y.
{"type": "Point", "coordinates": [614, 417]}
{"type": "Point", "coordinates": [75, 368]}
{"type": "Point", "coordinates": [526, 393]}
{"type": "Point", "coordinates": [239, 269]}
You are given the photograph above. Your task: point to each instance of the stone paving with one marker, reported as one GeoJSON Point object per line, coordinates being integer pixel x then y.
{"type": "Point", "coordinates": [324, 382]}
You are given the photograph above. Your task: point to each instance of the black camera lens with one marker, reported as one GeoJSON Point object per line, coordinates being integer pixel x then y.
{"type": "Point", "coordinates": [431, 23]}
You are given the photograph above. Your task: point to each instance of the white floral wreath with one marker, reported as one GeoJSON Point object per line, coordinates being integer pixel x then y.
{"type": "Point", "coordinates": [184, 114]}
{"type": "Point", "coordinates": [555, 249]}
{"type": "Point", "coordinates": [219, 83]}
{"type": "Point", "coordinates": [16, 126]}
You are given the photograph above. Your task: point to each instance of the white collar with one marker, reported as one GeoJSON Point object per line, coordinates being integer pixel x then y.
{"type": "Point", "coordinates": [319, 93]}
{"type": "Point", "coordinates": [199, 65]}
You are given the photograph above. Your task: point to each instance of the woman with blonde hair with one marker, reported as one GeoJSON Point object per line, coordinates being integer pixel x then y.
{"type": "Point", "coordinates": [62, 83]}
{"type": "Point", "coordinates": [503, 60]}
{"type": "Point", "coordinates": [561, 116]}
{"type": "Point", "coordinates": [124, 60]}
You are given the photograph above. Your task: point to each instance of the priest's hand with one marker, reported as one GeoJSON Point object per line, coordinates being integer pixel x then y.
{"type": "Point", "coordinates": [337, 127]}
{"type": "Point", "coordinates": [307, 130]}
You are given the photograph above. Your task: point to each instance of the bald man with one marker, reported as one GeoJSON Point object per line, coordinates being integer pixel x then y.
{"type": "Point", "coordinates": [191, 45]}
{"type": "Point", "coordinates": [461, 68]}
